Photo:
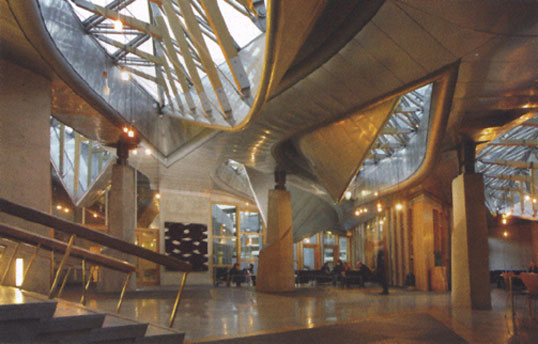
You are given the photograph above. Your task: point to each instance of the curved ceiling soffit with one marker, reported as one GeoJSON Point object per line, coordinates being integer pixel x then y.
{"type": "Point", "coordinates": [312, 210]}
{"type": "Point", "coordinates": [279, 54]}
{"type": "Point", "coordinates": [336, 150]}
{"type": "Point", "coordinates": [312, 214]}
{"type": "Point", "coordinates": [231, 181]}
{"type": "Point", "coordinates": [335, 158]}
{"type": "Point", "coordinates": [337, 25]}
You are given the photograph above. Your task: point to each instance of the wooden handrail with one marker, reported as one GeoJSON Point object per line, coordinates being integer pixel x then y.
{"type": "Point", "coordinates": [50, 244]}
{"type": "Point", "coordinates": [36, 216]}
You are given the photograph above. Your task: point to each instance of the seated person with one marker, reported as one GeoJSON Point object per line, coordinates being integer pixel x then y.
{"type": "Point", "coordinates": [249, 271]}
{"type": "Point", "coordinates": [364, 271]}
{"type": "Point", "coordinates": [533, 267]}
{"type": "Point", "coordinates": [325, 269]}
{"type": "Point", "coordinates": [338, 271]}
{"type": "Point", "coordinates": [236, 275]}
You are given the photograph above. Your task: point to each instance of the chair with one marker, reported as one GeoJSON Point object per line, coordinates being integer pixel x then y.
{"type": "Point", "coordinates": [531, 282]}
{"type": "Point", "coordinates": [220, 275]}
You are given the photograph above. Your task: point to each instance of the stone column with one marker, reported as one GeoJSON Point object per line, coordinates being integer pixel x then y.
{"type": "Point", "coordinates": [470, 260]}
{"type": "Point", "coordinates": [121, 219]}
{"type": "Point", "coordinates": [275, 265]}
{"type": "Point", "coordinates": [423, 255]}
{"type": "Point", "coordinates": [25, 109]}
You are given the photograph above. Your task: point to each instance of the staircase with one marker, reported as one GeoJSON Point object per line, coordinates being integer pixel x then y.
{"type": "Point", "coordinates": [27, 317]}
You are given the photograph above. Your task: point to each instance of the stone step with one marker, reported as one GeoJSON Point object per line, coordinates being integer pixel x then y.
{"type": "Point", "coordinates": [117, 330]}
{"type": "Point", "coordinates": [27, 317]}
{"type": "Point", "coordinates": [21, 314]}
{"type": "Point", "coordinates": [18, 305]}
{"type": "Point", "coordinates": [161, 335]}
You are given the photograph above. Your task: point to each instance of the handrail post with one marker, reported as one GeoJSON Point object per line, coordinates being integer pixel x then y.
{"type": "Point", "coordinates": [127, 278]}
{"type": "Point", "coordinates": [8, 266]}
{"type": "Point", "coordinates": [52, 265]}
{"type": "Point", "coordinates": [64, 281]}
{"type": "Point", "coordinates": [30, 264]}
{"type": "Point", "coordinates": [61, 266]}
{"type": "Point", "coordinates": [83, 277]}
{"type": "Point", "coordinates": [85, 287]}
{"type": "Point", "coordinates": [178, 299]}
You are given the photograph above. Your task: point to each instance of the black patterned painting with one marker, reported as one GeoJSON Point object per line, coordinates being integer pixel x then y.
{"type": "Point", "coordinates": [187, 242]}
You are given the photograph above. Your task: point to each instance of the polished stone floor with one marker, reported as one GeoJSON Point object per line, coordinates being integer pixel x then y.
{"type": "Point", "coordinates": [208, 313]}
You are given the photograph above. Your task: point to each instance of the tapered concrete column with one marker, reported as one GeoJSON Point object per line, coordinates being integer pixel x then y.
{"type": "Point", "coordinates": [25, 108]}
{"type": "Point", "coordinates": [470, 253]}
{"type": "Point", "coordinates": [275, 265]}
{"type": "Point", "coordinates": [121, 221]}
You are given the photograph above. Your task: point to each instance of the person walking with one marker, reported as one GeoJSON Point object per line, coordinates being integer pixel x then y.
{"type": "Point", "coordinates": [381, 272]}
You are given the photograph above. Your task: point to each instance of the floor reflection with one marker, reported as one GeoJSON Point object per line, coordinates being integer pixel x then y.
{"type": "Point", "coordinates": [208, 312]}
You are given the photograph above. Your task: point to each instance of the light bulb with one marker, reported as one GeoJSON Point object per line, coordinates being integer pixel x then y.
{"type": "Point", "coordinates": [505, 234]}
{"type": "Point", "coordinates": [148, 151]}
{"type": "Point", "coordinates": [124, 75]}
{"type": "Point", "coordinates": [106, 89]}
{"type": "Point", "coordinates": [348, 195]}
{"type": "Point", "coordinates": [158, 196]}
{"type": "Point", "coordinates": [118, 25]}
{"type": "Point", "coordinates": [399, 206]}
{"type": "Point", "coordinates": [130, 133]}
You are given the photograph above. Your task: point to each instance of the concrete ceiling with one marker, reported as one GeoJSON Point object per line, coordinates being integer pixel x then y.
{"type": "Point", "coordinates": [494, 45]}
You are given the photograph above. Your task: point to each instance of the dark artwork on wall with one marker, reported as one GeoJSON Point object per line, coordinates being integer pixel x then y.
{"type": "Point", "coordinates": [187, 242]}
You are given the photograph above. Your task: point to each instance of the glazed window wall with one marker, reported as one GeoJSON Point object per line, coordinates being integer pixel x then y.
{"type": "Point", "coordinates": [322, 248]}
{"type": "Point", "coordinates": [237, 236]}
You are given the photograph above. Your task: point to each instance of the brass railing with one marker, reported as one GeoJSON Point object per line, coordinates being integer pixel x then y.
{"type": "Point", "coordinates": [77, 230]}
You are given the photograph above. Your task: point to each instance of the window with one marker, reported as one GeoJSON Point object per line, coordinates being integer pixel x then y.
{"type": "Point", "coordinates": [237, 236]}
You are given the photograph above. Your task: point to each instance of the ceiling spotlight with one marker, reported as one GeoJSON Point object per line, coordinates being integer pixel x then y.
{"type": "Point", "coordinates": [365, 210]}
{"type": "Point", "coordinates": [134, 151]}
{"type": "Point", "coordinates": [504, 222]}
{"type": "Point", "coordinates": [125, 130]}
{"type": "Point", "coordinates": [59, 207]}
{"type": "Point", "coordinates": [381, 222]}
{"type": "Point", "coordinates": [130, 133]}
{"type": "Point", "coordinates": [148, 151]}
{"type": "Point", "coordinates": [158, 195]}
{"type": "Point", "coordinates": [94, 215]}
{"type": "Point", "coordinates": [347, 195]}
{"type": "Point", "coordinates": [118, 25]}
{"type": "Point", "coordinates": [527, 198]}
{"type": "Point", "coordinates": [399, 206]}
{"type": "Point", "coordinates": [505, 234]}
{"type": "Point", "coordinates": [376, 193]}
{"type": "Point", "coordinates": [124, 75]}
{"type": "Point", "coordinates": [357, 213]}
{"type": "Point", "coordinates": [534, 200]}
{"type": "Point", "coordinates": [66, 210]}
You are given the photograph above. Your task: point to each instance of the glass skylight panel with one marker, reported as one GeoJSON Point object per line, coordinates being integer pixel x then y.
{"type": "Point", "coordinates": [240, 26]}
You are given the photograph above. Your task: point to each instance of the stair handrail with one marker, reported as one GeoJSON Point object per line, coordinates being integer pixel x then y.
{"type": "Point", "coordinates": [42, 242]}
{"type": "Point", "coordinates": [50, 244]}
{"type": "Point", "coordinates": [66, 226]}
{"type": "Point", "coordinates": [75, 229]}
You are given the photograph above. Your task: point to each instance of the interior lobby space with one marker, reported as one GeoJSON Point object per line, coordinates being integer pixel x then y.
{"type": "Point", "coordinates": [259, 171]}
